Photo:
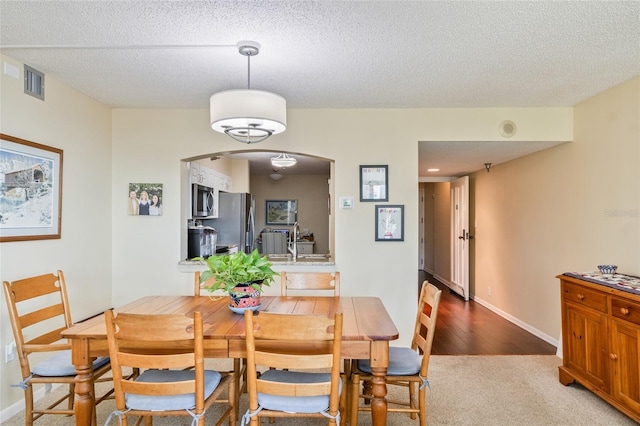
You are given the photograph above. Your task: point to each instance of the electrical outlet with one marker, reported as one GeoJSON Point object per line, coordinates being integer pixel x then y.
{"type": "Point", "coordinates": [489, 292]}
{"type": "Point", "coordinates": [10, 352]}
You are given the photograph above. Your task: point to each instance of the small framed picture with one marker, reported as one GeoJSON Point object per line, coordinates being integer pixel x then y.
{"type": "Point", "coordinates": [374, 183]}
{"type": "Point", "coordinates": [145, 199]}
{"type": "Point", "coordinates": [389, 223]}
{"type": "Point", "coordinates": [282, 212]}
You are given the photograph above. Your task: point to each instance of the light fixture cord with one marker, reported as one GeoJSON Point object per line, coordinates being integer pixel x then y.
{"type": "Point", "coordinates": [248, 71]}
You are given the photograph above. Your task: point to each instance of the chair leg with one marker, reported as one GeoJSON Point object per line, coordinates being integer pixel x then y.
{"type": "Point", "coordinates": [412, 399]}
{"type": "Point", "coordinates": [233, 390]}
{"type": "Point", "coordinates": [238, 377]}
{"type": "Point", "coordinates": [343, 400]}
{"type": "Point", "coordinates": [28, 405]}
{"type": "Point", "coordinates": [355, 398]}
{"type": "Point", "coordinates": [72, 394]}
{"type": "Point", "coordinates": [422, 395]}
{"type": "Point", "coordinates": [367, 390]}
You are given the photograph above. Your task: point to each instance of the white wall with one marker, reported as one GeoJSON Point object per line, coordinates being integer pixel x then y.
{"type": "Point", "coordinates": [81, 127]}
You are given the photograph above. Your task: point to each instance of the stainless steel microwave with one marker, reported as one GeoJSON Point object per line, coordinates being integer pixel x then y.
{"type": "Point", "coordinates": [203, 201]}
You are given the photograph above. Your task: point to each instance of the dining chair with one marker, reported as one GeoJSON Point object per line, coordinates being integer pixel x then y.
{"type": "Point", "coordinates": [285, 387]}
{"type": "Point", "coordinates": [239, 364]}
{"type": "Point", "coordinates": [165, 387]}
{"type": "Point", "coordinates": [408, 366]}
{"type": "Point", "coordinates": [295, 281]}
{"type": "Point", "coordinates": [199, 287]}
{"type": "Point", "coordinates": [39, 310]}
{"type": "Point", "coordinates": [290, 281]}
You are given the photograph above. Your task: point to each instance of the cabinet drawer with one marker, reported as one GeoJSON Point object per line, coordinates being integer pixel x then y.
{"type": "Point", "coordinates": [584, 296]}
{"type": "Point", "coordinates": [305, 248]}
{"type": "Point", "coordinates": [626, 310]}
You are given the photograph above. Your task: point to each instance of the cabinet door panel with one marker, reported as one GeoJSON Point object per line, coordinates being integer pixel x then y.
{"type": "Point", "coordinates": [625, 341]}
{"type": "Point", "coordinates": [586, 341]}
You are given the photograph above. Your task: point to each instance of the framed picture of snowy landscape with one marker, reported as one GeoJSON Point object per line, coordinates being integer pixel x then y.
{"type": "Point", "coordinates": [30, 190]}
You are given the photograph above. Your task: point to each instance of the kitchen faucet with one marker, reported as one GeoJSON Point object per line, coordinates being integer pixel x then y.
{"type": "Point", "coordinates": [293, 246]}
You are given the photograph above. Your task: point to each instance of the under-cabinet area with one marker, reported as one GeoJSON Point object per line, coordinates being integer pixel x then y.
{"type": "Point", "coordinates": [601, 340]}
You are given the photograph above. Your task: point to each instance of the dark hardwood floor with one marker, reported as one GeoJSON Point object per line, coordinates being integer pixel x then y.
{"type": "Point", "coordinates": [468, 328]}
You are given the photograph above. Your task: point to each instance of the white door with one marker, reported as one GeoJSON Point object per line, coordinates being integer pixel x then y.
{"type": "Point", "coordinates": [460, 236]}
{"type": "Point", "coordinates": [421, 230]}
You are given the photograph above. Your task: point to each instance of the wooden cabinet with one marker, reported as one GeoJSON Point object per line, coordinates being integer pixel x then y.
{"type": "Point", "coordinates": [601, 342]}
{"type": "Point", "coordinates": [208, 177]}
{"type": "Point", "coordinates": [585, 346]}
{"type": "Point", "coordinates": [196, 176]}
{"type": "Point", "coordinates": [625, 356]}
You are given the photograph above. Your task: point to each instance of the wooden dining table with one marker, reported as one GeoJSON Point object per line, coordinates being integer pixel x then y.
{"type": "Point", "coordinates": [367, 330]}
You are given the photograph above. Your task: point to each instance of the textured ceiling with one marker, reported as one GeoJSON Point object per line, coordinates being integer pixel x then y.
{"type": "Point", "coordinates": [331, 54]}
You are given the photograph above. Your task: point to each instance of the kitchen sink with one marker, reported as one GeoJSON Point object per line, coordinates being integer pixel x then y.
{"type": "Point", "coordinates": [279, 257]}
{"type": "Point", "coordinates": [317, 257]}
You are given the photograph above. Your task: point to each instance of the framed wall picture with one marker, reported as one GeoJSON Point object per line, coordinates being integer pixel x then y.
{"type": "Point", "coordinates": [30, 190]}
{"type": "Point", "coordinates": [389, 223]}
{"type": "Point", "coordinates": [145, 199]}
{"type": "Point", "coordinates": [281, 212]}
{"type": "Point", "coordinates": [374, 183]}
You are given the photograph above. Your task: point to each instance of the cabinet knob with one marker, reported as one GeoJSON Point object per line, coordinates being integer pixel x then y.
{"type": "Point", "coordinates": [580, 296]}
{"type": "Point", "coordinates": [613, 356]}
{"type": "Point", "coordinates": [624, 311]}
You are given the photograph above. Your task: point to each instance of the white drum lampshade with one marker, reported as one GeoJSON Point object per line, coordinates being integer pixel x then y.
{"type": "Point", "coordinates": [248, 116]}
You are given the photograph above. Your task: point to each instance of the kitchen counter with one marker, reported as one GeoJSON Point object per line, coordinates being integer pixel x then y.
{"type": "Point", "coordinates": [312, 263]}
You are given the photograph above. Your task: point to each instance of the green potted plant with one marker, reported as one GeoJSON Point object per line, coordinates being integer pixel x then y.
{"type": "Point", "coordinates": [240, 275]}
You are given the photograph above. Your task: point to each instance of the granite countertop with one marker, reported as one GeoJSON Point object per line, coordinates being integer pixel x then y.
{"type": "Point", "coordinates": [314, 261]}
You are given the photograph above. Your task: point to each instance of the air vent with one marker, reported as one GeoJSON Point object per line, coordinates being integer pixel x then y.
{"type": "Point", "coordinates": [33, 82]}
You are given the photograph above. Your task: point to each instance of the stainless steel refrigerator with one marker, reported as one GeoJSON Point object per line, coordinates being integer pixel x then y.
{"type": "Point", "coordinates": [236, 221]}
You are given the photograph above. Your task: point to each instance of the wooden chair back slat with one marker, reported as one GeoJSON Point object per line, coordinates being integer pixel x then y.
{"type": "Point", "coordinates": [52, 336]}
{"type": "Point", "coordinates": [425, 326]}
{"type": "Point", "coordinates": [31, 287]}
{"type": "Point", "coordinates": [44, 314]}
{"type": "Point", "coordinates": [310, 281]}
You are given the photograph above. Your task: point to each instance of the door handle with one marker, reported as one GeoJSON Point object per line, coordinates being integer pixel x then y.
{"type": "Point", "coordinates": [465, 236]}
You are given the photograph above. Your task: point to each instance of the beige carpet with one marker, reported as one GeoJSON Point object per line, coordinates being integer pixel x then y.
{"type": "Point", "coordinates": [466, 390]}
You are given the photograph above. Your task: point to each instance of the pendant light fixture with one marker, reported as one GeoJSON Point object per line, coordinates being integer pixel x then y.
{"type": "Point", "coordinates": [275, 175]}
{"type": "Point", "coordinates": [248, 116]}
{"type": "Point", "coordinates": [283, 160]}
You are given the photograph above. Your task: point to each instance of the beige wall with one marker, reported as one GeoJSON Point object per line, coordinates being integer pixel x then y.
{"type": "Point", "coordinates": [429, 227]}
{"type": "Point", "coordinates": [442, 231]}
{"type": "Point", "coordinates": [111, 258]}
{"type": "Point", "coordinates": [81, 127]}
{"type": "Point", "coordinates": [568, 208]}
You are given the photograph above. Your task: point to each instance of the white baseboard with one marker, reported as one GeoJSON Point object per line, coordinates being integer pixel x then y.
{"type": "Point", "coordinates": [518, 322]}
{"type": "Point", "coordinates": [17, 407]}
